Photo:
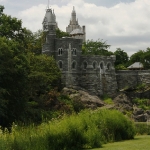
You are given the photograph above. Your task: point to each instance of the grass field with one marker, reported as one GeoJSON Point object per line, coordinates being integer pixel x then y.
{"type": "Point", "coordinates": [141, 142]}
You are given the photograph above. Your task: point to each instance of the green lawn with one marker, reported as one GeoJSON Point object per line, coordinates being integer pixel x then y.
{"type": "Point", "coordinates": [139, 143]}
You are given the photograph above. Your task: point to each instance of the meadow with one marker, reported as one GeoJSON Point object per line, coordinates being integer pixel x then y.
{"type": "Point", "coordinates": [140, 142]}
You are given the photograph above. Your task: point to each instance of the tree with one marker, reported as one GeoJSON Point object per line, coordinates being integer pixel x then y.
{"type": "Point", "coordinates": [11, 27]}
{"type": "Point", "coordinates": [60, 34]}
{"type": "Point", "coordinates": [137, 57]}
{"type": "Point", "coordinates": [146, 56]}
{"type": "Point", "coordinates": [121, 59]}
{"type": "Point", "coordinates": [44, 75]}
{"type": "Point", "coordinates": [24, 75]}
{"type": "Point", "coordinates": [96, 48]}
{"type": "Point", "coordinates": [14, 68]}
{"type": "Point", "coordinates": [142, 56]}
{"type": "Point", "coordinates": [1, 9]}
{"type": "Point", "coordinates": [34, 41]}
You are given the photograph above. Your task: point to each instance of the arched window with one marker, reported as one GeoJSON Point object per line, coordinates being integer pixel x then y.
{"type": "Point", "coordinates": [84, 65]}
{"type": "Point", "coordinates": [60, 64]}
{"type": "Point", "coordinates": [60, 51]}
{"type": "Point", "coordinates": [94, 64]}
{"type": "Point", "coordinates": [101, 66]}
{"type": "Point", "coordinates": [74, 51]}
{"type": "Point", "coordinates": [74, 65]}
{"type": "Point", "coordinates": [109, 66]}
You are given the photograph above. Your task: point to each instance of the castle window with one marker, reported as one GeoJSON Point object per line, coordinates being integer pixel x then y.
{"type": "Point", "coordinates": [94, 64]}
{"type": "Point", "coordinates": [74, 65]}
{"type": "Point", "coordinates": [101, 66]}
{"type": "Point", "coordinates": [74, 51]}
{"type": "Point", "coordinates": [60, 64]}
{"type": "Point", "coordinates": [109, 66]}
{"type": "Point", "coordinates": [60, 51]}
{"type": "Point", "coordinates": [84, 65]}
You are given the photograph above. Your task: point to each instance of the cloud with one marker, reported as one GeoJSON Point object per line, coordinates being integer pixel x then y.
{"type": "Point", "coordinates": [3, 0]}
{"type": "Point", "coordinates": [108, 3]}
{"type": "Point", "coordinates": [124, 25]}
{"type": "Point", "coordinates": [32, 18]}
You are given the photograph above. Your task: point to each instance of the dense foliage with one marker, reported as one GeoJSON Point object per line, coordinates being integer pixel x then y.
{"type": "Point", "coordinates": [88, 129]}
{"type": "Point", "coordinates": [24, 76]}
{"type": "Point", "coordinates": [14, 70]}
{"type": "Point", "coordinates": [142, 56]}
{"type": "Point", "coordinates": [60, 33]}
{"type": "Point", "coordinates": [98, 47]}
{"type": "Point", "coordinates": [121, 59]}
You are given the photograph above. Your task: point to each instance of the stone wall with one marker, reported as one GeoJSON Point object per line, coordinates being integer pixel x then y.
{"type": "Point", "coordinates": [110, 81]}
{"type": "Point", "coordinates": [132, 78]}
{"type": "Point", "coordinates": [99, 75]}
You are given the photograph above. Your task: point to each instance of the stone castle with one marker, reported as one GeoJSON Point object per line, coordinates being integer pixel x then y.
{"type": "Point", "coordinates": [93, 73]}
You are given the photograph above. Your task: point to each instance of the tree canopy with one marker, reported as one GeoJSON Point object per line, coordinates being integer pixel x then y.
{"type": "Point", "coordinates": [14, 70]}
{"type": "Point", "coordinates": [60, 33]}
{"type": "Point", "coordinates": [98, 47]}
{"type": "Point", "coordinates": [24, 75]}
{"type": "Point", "coordinates": [122, 59]}
{"type": "Point", "coordinates": [142, 56]}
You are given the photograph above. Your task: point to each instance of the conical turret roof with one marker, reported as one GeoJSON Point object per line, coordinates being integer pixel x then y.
{"type": "Point", "coordinates": [73, 11]}
{"type": "Point", "coordinates": [50, 18]}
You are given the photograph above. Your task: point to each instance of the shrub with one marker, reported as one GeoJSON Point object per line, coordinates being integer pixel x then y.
{"type": "Point", "coordinates": [142, 127]}
{"type": "Point", "coordinates": [88, 129]}
{"type": "Point", "coordinates": [142, 103]}
{"type": "Point", "coordinates": [107, 99]}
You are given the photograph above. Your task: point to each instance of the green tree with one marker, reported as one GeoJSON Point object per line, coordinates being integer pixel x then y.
{"type": "Point", "coordinates": [137, 57]}
{"type": "Point", "coordinates": [146, 60]}
{"type": "Point", "coordinates": [11, 28]}
{"type": "Point", "coordinates": [121, 59]}
{"type": "Point", "coordinates": [23, 74]}
{"type": "Point", "coordinates": [44, 75]}
{"type": "Point", "coordinates": [142, 56]}
{"type": "Point", "coordinates": [1, 9]}
{"type": "Point", "coordinates": [14, 68]}
{"type": "Point", "coordinates": [34, 41]}
{"type": "Point", "coordinates": [60, 34]}
{"type": "Point", "coordinates": [96, 48]}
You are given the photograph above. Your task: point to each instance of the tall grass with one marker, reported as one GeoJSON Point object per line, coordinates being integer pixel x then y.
{"type": "Point", "coordinates": [142, 128]}
{"type": "Point", "coordinates": [88, 129]}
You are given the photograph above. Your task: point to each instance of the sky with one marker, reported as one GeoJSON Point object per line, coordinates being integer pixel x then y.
{"type": "Point", "coordinates": [122, 24]}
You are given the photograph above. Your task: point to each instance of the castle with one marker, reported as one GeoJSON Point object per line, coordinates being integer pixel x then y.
{"type": "Point", "coordinates": [88, 72]}
{"type": "Point", "coordinates": [93, 73]}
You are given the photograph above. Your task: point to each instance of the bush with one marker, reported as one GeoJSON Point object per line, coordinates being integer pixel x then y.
{"type": "Point", "coordinates": [142, 127]}
{"type": "Point", "coordinates": [142, 103]}
{"type": "Point", "coordinates": [88, 129]}
{"type": "Point", "coordinates": [107, 99]}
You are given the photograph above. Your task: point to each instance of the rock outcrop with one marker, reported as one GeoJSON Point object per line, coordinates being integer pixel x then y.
{"type": "Point", "coordinates": [89, 101]}
{"type": "Point", "coordinates": [123, 103]}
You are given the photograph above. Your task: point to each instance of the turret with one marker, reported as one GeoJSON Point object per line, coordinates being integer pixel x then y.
{"type": "Point", "coordinates": [49, 20]}
{"type": "Point", "coordinates": [49, 27]}
{"type": "Point", "coordinates": [73, 16]}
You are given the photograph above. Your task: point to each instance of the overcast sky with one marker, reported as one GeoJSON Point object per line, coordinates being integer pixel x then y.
{"type": "Point", "coordinates": [123, 24]}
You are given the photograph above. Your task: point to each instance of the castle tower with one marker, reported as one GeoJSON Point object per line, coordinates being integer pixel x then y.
{"type": "Point", "coordinates": [74, 21]}
{"type": "Point", "coordinates": [49, 27]}
{"type": "Point", "coordinates": [74, 29]}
